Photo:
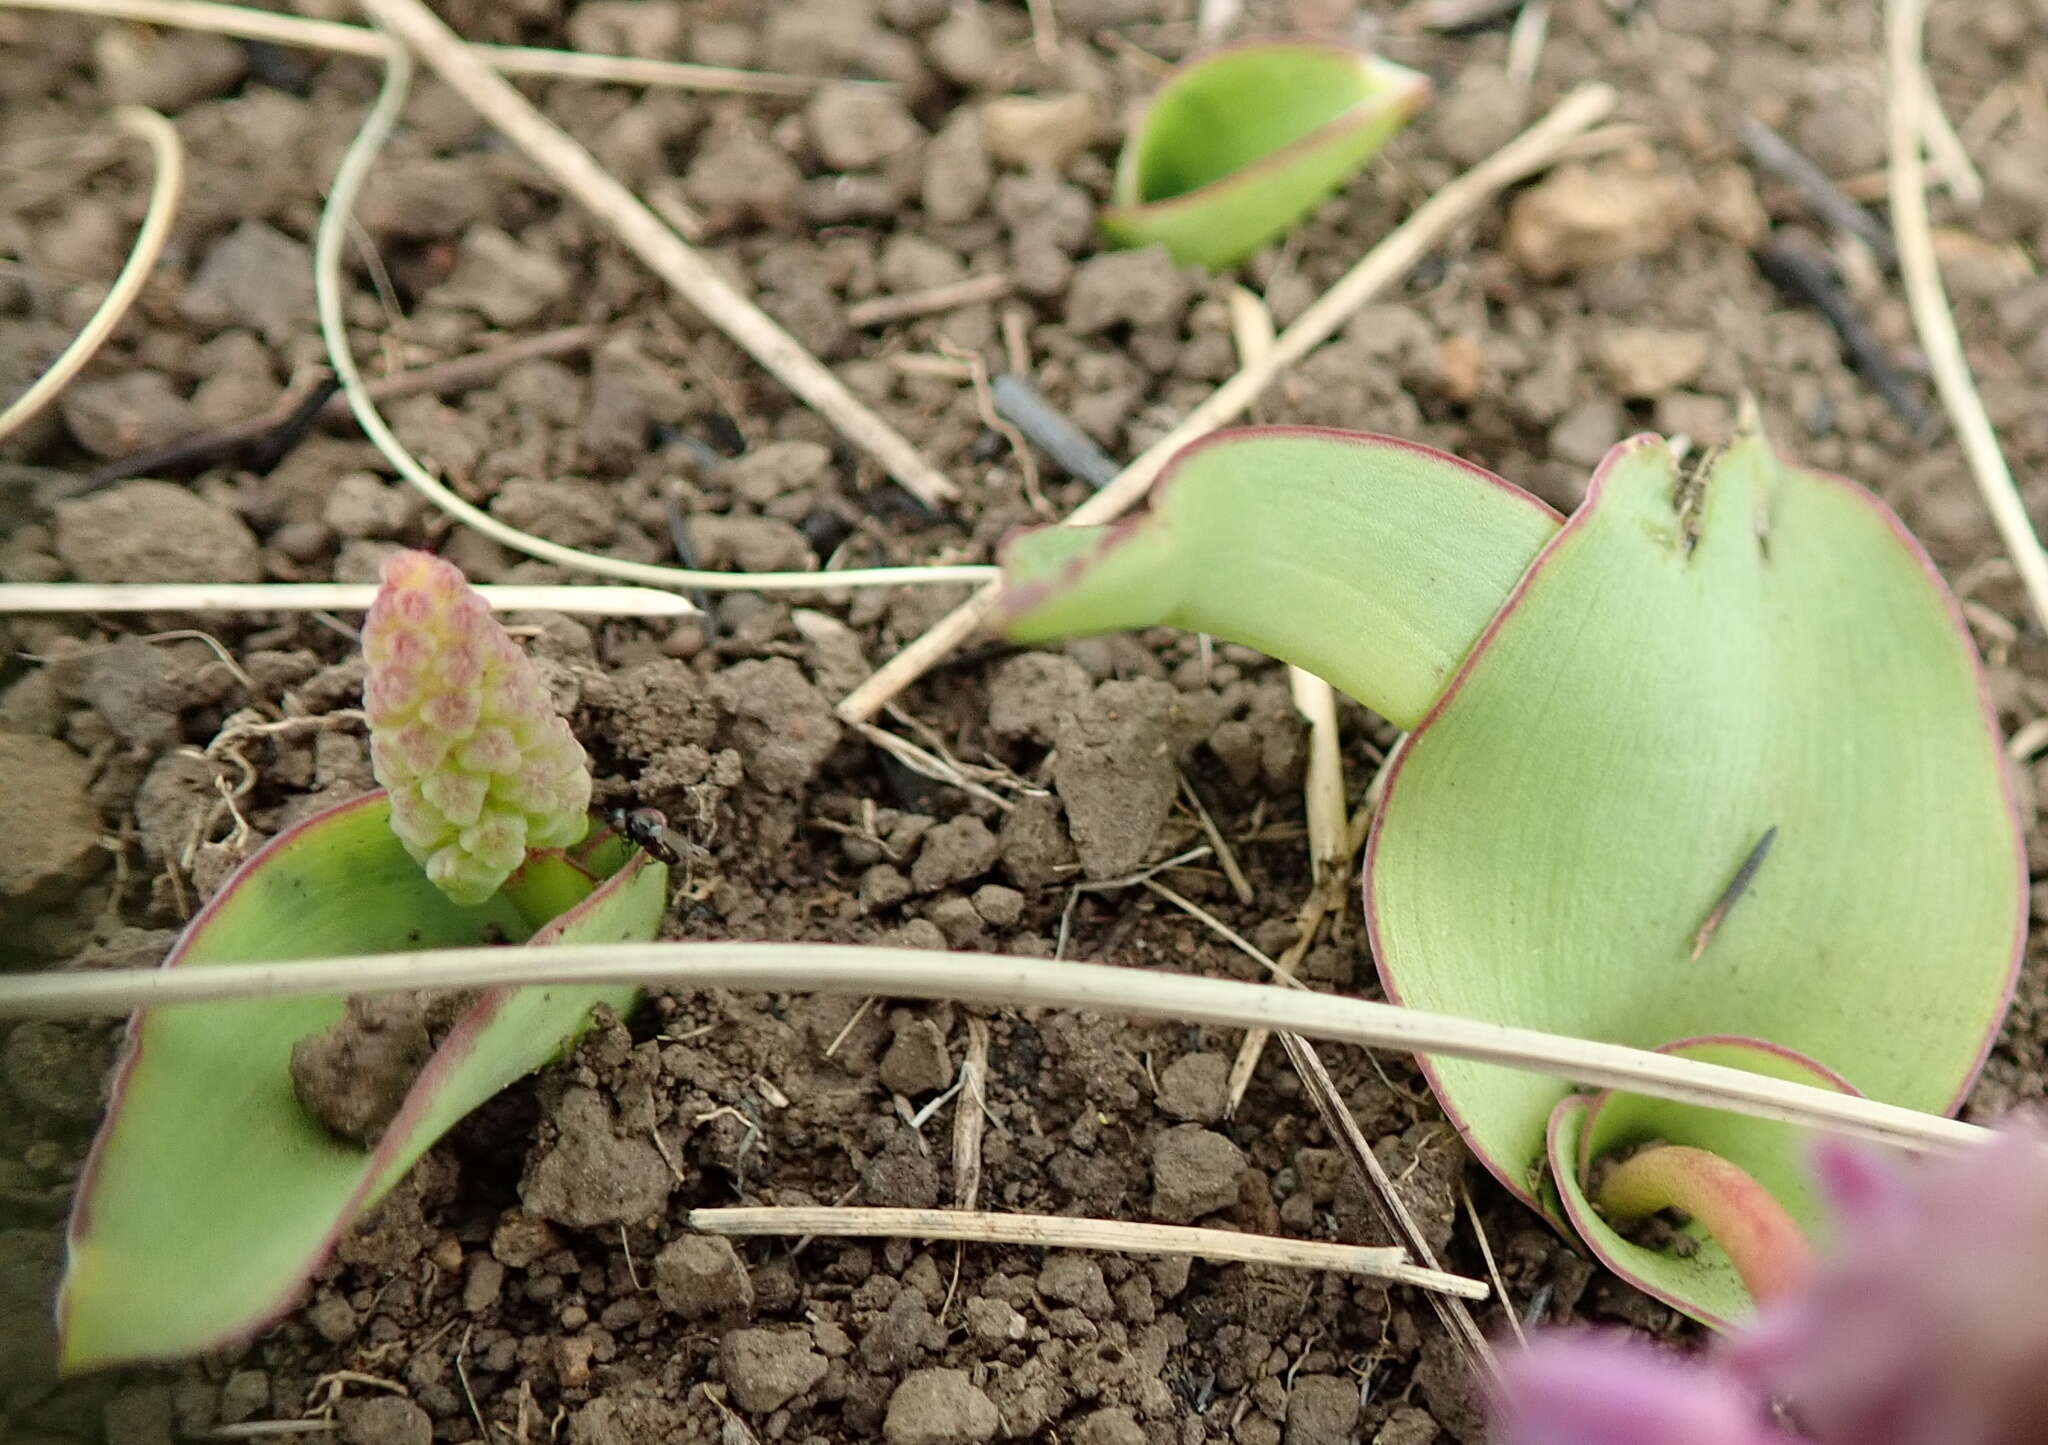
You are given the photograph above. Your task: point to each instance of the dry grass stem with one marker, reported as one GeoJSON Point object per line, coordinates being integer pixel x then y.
{"type": "Point", "coordinates": [968, 291]}
{"type": "Point", "coordinates": [1493, 1276]}
{"type": "Point", "coordinates": [1390, 260]}
{"type": "Point", "coordinates": [1226, 856]}
{"type": "Point", "coordinates": [1052, 1231]}
{"type": "Point", "coordinates": [1933, 320]}
{"type": "Point", "coordinates": [70, 597]}
{"type": "Point", "coordinates": [1947, 157]}
{"type": "Point", "coordinates": [329, 35]}
{"type": "Point", "coordinates": [1394, 1212]}
{"type": "Point", "coordinates": [970, 1118]}
{"type": "Point", "coordinates": [667, 254]}
{"type": "Point", "coordinates": [995, 980]}
{"type": "Point", "coordinates": [167, 187]}
{"type": "Point", "coordinates": [327, 288]}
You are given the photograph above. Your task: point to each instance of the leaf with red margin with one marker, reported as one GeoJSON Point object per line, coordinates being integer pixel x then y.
{"type": "Point", "coordinates": [210, 1197]}
{"type": "Point", "coordinates": [1585, 1128]}
{"type": "Point", "coordinates": [1685, 667]}
{"type": "Point", "coordinates": [1370, 561]}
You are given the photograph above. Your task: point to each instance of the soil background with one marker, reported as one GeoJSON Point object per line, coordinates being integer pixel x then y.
{"type": "Point", "coordinates": [532, 1281]}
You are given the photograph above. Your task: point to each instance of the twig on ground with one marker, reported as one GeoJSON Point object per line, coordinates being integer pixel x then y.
{"type": "Point", "coordinates": [1379, 268]}
{"type": "Point", "coordinates": [281, 29]}
{"type": "Point", "coordinates": [1525, 44]}
{"type": "Point", "coordinates": [166, 188]}
{"type": "Point", "coordinates": [441, 378]}
{"type": "Point", "coordinates": [1493, 1276]}
{"type": "Point", "coordinates": [1053, 1231]}
{"type": "Point", "coordinates": [970, 1119]}
{"type": "Point", "coordinates": [995, 980]}
{"type": "Point", "coordinates": [81, 597]}
{"type": "Point", "coordinates": [1394, 1212]}
{"type": "Point", "coordinates": [1019, 402]}
{"type": "Point", "coordinates": [1808, 278]}
{"type": "Point", "coordinates": [667, 254]}
{"type": "Point", "coordinates": [327, 244]}
{"type": "Point", "coordinates": [1226, 856]}
{"type": "Point", "coordinates": [968, 291]}
{"type": "Point", "coordinates": [1785, 161]}
{"type": "Point", "coordinates": [1934, 321]}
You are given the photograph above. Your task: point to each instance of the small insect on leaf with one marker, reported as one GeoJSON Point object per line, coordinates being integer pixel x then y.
{"type": "Point", "coordinates": [648, 830]}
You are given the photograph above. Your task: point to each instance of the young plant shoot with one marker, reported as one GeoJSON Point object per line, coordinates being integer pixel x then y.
{"type": "Point", "coordinates": [1706, 768]}
{"type": "Point", "coordinates": [243, 1138]}
{"type": "Point", "coordinates": [1239, 146]}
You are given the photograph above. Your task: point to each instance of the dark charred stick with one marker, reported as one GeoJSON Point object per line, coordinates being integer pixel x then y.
{"type": "Point", "coordinates": [1777, 155]}
{"type": "Point", "coordinates": [1456, 15]}
{"type": "Point", "coordinates": [1807, 278]}
{"type": "Point", "coordinates": [1020, 403]}
{"type": "Point", "coordinates": [266, 438]}
{"type": "Point", "coordinates": [1737, 886]}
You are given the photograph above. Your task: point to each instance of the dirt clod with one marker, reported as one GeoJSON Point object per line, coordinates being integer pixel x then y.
{"type": "Point", "coordinates": [939, 1407]}
{"type": "Point", "coordinates": [47, 816]}
{"type": "Point", "coordinates": [384, 1420]}
{"type": "Point", "coordinates": [591, 1175]}
{"type": "Point", "coordinates": [783, 727]}
{"type": "Point", "coordinates": [1585, 216]}
{"type": "Point", "coordinates": [1039, 132]}
{"type": "Point", "coordinates": [956, 850]}
{"type": "Point", "coordinates": [504, 282]}
{"type": "Point", "coordinates": [1321, 1410]}
{"type": "Point", "coordinates": [702, 1278]}
{"type": "Point", "coordinates": [148, 531]}
{"type": "Point", "coordinates": [855, 127]}
{"type": "Point", "coordinates": [1195, 1087]}
{"type": "Point", "coordinates": [766, 1369]}
{"type": "Point", "coordinates": [353, 1076]}
{"type": "Point", "coordinates": [1194, 1172]}
{"type": "Point", "coordinates": [916, 1062]}
{"type": "Point", "coordinates": [1117, 768]}
{"type": "Point", "coordinates": [1141, 288]}
{"type": "Point", "coordinates": [1407, 1426]}
{"type": "Point", "coordinates": [254, 277]}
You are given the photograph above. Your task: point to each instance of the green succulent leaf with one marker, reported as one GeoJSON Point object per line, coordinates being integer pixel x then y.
{"type": "Point", "coordinates": [1239, 146]}
{"type": "Point", "coordinates": [1372, 562]}
{"type": "Point", "coordinates": [1695, 662]}
{"type": "Point", "coordinates": [1701, 1279]}
{"type": "Point", "coordinates": [210, 1195]}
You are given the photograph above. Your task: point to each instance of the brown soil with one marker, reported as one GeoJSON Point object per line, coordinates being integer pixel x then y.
{"type": "Point", "coordinates": [532, 1281]}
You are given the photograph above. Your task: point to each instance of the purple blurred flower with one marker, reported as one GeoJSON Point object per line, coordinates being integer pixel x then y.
{"type": "Point", "coordinates": [1587, 1388]}
{"type": "Point", "coordinates": [1927, 1322]}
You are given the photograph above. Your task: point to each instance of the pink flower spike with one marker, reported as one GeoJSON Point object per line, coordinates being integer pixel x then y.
{"type": "Point", "coordinates": [1582, 1388]}
{"type": "Point", "coordinates": [463, 734]}
{"type": "Point", "coordinates": [1927, 1324]}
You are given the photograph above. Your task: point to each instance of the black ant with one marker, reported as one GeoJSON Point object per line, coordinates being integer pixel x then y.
{"type": "Point", "coordinates": [648, 829]}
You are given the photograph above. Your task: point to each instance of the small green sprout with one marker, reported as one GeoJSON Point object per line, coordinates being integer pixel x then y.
{"type": "Point", "coordinates": [245, 1137]}
{"type": "Point", "coordinates": [1239, 146]}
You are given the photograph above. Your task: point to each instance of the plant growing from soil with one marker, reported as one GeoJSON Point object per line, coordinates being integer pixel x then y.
{"type": "Point", "coordinates": [1705, 769]}
{"type": "Point", "coordinates": [1922, 1325]}
{"type": "Point", "coordinates": [1239, 146]}
{"type": "Point", "coordinates": [243, 1138]}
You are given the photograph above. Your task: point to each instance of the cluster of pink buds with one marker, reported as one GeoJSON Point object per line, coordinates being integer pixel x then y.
{"type": "Point", "coordinates": [462, 735]}
{"type": "Point", "coordinates": [1926, 1323]}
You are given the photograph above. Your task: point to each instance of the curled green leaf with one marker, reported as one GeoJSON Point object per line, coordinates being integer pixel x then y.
{"type": "Point", "coordinates": [211, 1193]}
{"type": "Point", "coordinates": [1239, 146]}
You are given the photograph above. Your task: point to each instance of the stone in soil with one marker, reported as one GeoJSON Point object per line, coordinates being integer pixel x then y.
{"type": "Point", "coordinates": [383, 1420]}
{"type": "Point", "coordinates": [146, 531]}
{"type": "Point", "coordinates": [939, 1407]}
{"type": "Point", "coordinates": [1194, 1172]}
{"type": "Point", "coordinates": [1648, 361]}
{"type": "Point", "coordinates": [54, 1068]}
{"type": "Point", "coordinates": [702, 1277]}
{"type": "Point", "coordinates": [1582, 216]}
{"type": "Point", "coordinates": [1195, 1087]}
{"type": "Point", "coordinates": [855, 127]}
{"type": "Point", "coordinates": [116, 416]}
{"type": "Point", "coordinates": [1039, 132]}
{"type": "Point", "coordinates": [957, 172]}
{"type": "Point", "coordinates": [353, 1076]}
{"type": "Point", "coordinates": [591, 1176]}
{"type": "Point", "coordinates": [49, 822]}
{"type": "Point", "coordinates": [1117, 767]}
{"type": "Point", "coordinates": [782, 726]}
{"type": "Point", "coordinates": [506, 283]}
{"type": "Point", "coordinates": [917, 1061]}
{"type": "Point", "coordinates": [1407, 1426]}
{"type": "Point", "coordinates": [738, 174]}
{"type": "Point", "coordinates": [1321, 1410]}
{"type": "Point", "coordinates": [766, 1369]}
{"type": "Point", "coordinates": [1113, 1426]}
{"type": "Point", "coordinates": [254, 277]}
{"type": "Point", "coordinates": [955, 851]}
